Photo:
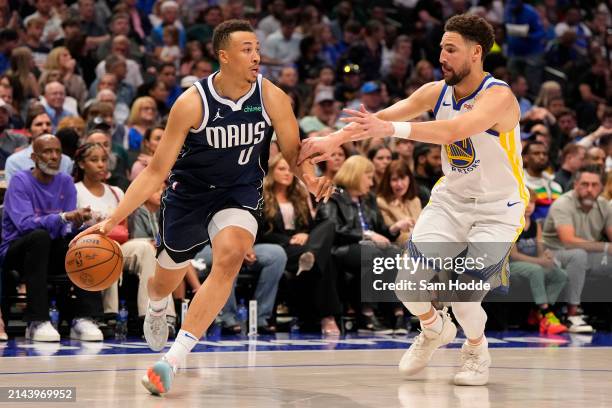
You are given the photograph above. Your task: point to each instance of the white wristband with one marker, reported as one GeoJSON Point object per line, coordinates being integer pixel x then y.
{"type": "Point", "coordinates": [401, 130]}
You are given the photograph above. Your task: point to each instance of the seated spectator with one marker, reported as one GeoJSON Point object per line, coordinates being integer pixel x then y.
{"type": "Point", "coordinates": [520, 88]}
{"type": "Point", "coordinates": [356, 218]}
{"type": "Point", "coordinates": [117, 174]}
{"type": "Point", "coordinates": [330, 167]}
{"type": "Point", "coordinates": [75, 123]}
{"type": "Point", "coordinates": [38, 123]}
{"type": "Point", "coordinates": [595, 156]}
{"type": "Point", "coordinates": [120, 45]}
{"type": "Point", "coordinates": [381, 157]}
{"type": "Point", "coordinates": [572, 158]}
{"type": "Point", "coordinates": [53, 21]}
{"type": "Point", "coordinates": [120, 109]}
{"type": "Point", "coordinates": [91, 168]}
{"type": "Point", "coordinates": [529, 260]}
{"type": "Point", "coordinates": [69, 139]}
{"type": "Point", "coordinates": [119, 25]}
{"type": "Point", "coordinates": [405, 151]}
{"type": "Point", "coordinates": [169, 16]}
{"type": "Point", "coordinates": [169, 51]}
{"type": "Point", "coordinates": [21, 74]}
{"type": "Point", "coordinates": [33, 40]}
{"type": "Point", "coordinates": [9, 141]}
{"type": "Point", "coordinates": [60, 59]}
{"type": "Point", "coordinates": [39, 217]}
{"type": "Point", "coordinates": [577, 229]}
{"type": "Point", "coordinates": [282, 47]}
{"type": "Point", "coordinates": [100, 115]}
{"type": "Point", "coordinates": [324, 113]}
{"type": "Point", "coordinates": [143, 115]}
{"type": "Point", "coordinates": [397, 198]}
{"type": "Point", "coordinates": [116, 65]}
{"type": "Point", "coordinates": [289, 224]}
{"type": "Point", "coordinates": [167, 75]}
{"type": "Point", "coordinates": [267, 259]}
{"type": "Point", "coordinates": [150, 142]}
{"type": "Point", "coordinates": [193, 54]}
{"type": "Point", "coordinates": [427, 169]}
{"type": "Point", "coordinates": [53, 101]}
{"type": "Point", "coordinates": [535, 160]}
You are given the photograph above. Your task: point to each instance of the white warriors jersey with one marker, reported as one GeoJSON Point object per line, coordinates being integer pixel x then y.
{"type": "Point", "coordinates": [486, 165]}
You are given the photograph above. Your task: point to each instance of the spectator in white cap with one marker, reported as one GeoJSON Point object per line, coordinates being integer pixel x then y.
{"type": "Point", "coordinates": [323, 114]}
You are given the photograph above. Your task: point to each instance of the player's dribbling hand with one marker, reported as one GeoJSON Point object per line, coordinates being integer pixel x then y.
{"type": "Point", "coordinates": [103, 227]}
{"type": "Point", "coordinates": [321, 187]}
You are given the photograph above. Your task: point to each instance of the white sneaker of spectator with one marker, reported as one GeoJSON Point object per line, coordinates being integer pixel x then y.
{"type": "Point", "coordinates": [85, 330]}
{"type": "Point", "coordinates": [576, 324]}
{"type": "Point", "coordinates": [41, 331]}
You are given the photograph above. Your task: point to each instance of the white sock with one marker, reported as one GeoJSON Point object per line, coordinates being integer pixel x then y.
{"type": "Point", "coordinates": [433, 323]}
{"type": "Point", "coordinates": [183, 344]}
{"type": "Point", "coordinates": [158, 305]}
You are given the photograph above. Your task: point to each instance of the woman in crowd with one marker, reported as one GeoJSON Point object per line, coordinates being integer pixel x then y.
{"type": "Point", "coordinates": [330, 167]}
{"type": "Point", "coordinates": [90, 171]}
{"type": "Point", "coordinates": [357, 220]}
{"type": "Point", "coordinates": [289, 224]}
{"type": "Point", "coordinates": [150, 142]}
{"type": "Point", "coordinates": [22, 66]}
{"type": "Point", "coordinates": [398, 197]}
{"type": "Point", "coordinates": [60, 59]}
{"type": "Point", "coordinates": [142, 116]}
{"type": "Point", "coordinates": [380, 156]}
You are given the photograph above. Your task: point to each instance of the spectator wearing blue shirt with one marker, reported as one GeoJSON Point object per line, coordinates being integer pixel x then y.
{"type": "Point", "coordinates": [526, 37]}
{"type": "Point", "coordinates": [38, 123]}
{"type": "Point", "coordinates": [167, 75]}
{"type": "Point", "coordinates": [54, 98]}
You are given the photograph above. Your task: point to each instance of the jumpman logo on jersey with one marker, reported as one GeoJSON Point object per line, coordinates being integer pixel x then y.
{"type": "Point", "coordinates": [217, 116]}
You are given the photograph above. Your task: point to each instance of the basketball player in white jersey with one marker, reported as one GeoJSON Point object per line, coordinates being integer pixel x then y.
{"type": "Point", "coordinates": [482, 196]}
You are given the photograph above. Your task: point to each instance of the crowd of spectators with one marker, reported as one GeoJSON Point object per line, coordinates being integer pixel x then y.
{"type": "Point", "coordinates": [86, 85]}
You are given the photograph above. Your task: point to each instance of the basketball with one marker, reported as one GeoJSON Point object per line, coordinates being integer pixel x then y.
{"type": "Point", "coordinates": [94, 263]}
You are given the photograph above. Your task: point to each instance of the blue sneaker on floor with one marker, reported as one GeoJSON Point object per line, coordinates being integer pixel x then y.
{"type": "Point", "coordinates": [158, 378]}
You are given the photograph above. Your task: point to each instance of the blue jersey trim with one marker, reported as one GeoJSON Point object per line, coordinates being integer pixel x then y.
{"type": "Point", "coordinates": [497, 83]}
{"type": "Point", "coordinates": [442, 93]}
{"type": "Point", "coordinates": [492, 132]}
{"type": "Point", "coordinates": [457, 104]}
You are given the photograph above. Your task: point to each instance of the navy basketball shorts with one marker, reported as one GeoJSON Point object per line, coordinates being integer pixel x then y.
{"type": "Point", "coordinates": [189, 221]}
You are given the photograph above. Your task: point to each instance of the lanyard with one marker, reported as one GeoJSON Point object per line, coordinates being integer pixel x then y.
{"type": "Point", "coordinates": [364, 224]}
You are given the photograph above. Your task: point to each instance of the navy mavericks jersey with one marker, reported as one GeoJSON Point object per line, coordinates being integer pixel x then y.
{"type": "Point", "coordinates": [231, 146]}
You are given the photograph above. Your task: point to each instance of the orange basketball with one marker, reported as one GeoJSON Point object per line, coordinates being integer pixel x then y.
{"type": "Point", "coordinates": [94, 263]}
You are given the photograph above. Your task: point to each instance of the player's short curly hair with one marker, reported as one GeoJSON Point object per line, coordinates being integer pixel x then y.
{"type": "Point", "coordinates": [473, 28]}
{"type": "Point", "coordinates": [223, 31]}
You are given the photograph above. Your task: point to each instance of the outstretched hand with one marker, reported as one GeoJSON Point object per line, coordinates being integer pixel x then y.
{"type": "Point", "coordinates": [365, 123]}
{"type": "Point", "coordinates": [320, 148]}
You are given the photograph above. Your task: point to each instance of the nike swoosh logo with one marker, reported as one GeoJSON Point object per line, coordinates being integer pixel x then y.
{"type": "Point", "coordinates": [445, 104]}
{"type": "Point", "coordinates": [509, 204]}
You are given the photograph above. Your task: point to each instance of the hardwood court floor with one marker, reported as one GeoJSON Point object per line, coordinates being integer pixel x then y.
{"type": "Point", "coordinates": [558, 376]}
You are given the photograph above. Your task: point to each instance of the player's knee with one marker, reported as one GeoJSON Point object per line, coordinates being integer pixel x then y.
{"type": "Point", "coordinates": [228, 260]}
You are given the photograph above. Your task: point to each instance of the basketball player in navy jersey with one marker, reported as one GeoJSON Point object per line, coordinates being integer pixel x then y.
{"type": "Point", "coordinates": [481, 198]}
{"type": "Point", "coordinates": [215, 148]}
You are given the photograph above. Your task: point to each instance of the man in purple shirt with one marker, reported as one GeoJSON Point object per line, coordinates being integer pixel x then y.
{"type": "Point", "coordinates": [39, 217]}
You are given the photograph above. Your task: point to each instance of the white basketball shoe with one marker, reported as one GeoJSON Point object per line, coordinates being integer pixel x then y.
{"type": "Point", "coordinates": [475, 362]}
{"type": "Point", "coordinates": [420, 352]}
